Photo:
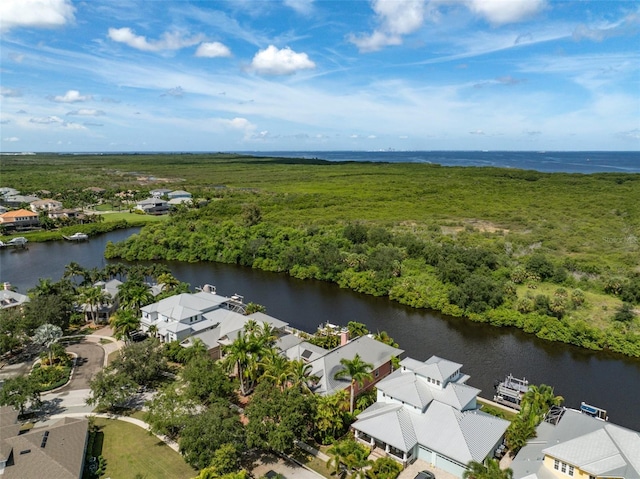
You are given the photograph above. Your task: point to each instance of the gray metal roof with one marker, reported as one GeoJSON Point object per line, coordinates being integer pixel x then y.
{"type": "Point", "coordinates": [407, 386]}
{"type": "Point", "coordinates": [599, 448]}
{"type": "Point", "coordinates": [461, 436]}
{"type": "Point", "coordinates": [370, 351]}
{"type": "Point", "coordinates": [265, 318]}
{"type": "Point", "coordinates": [438, 368]}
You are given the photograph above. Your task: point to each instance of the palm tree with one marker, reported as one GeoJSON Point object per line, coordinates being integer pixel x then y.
{"type": "Point", "coordinates": [338, 452]}
{"type": "Point", "coordinates": [153, 330]}
{"type": "Point", "coordinates": [45, 287]}
{"type": "Point", "coordinates": [538, 400]}
{"type": "Point", "coordinates": [168, 281]}
{"type": "Point", "coordinates": [477, 470]}
{"type": "Point", "coordinates": [277, 368]}
{"type": "Point", "coordinates": [300, 375]}
{"type": "Point", "coordinates": [266, 335]}
{"type": "Point", "coordinates": [356, 370]}
{"type": "Point", "coordinates": [124, 322]}
{"type": "Point", "coordinates": [94, 297]}
{"type": "Point", "coordinates": [73, 270]}
{"type": "Point", "coordinates": [241, 356]}
{"type": "Point", "coordinates": [331, 416]}
{"type": "Point", "coordinates": [358, 459]}
{"type": "Point", "coordinates": [133, 295]}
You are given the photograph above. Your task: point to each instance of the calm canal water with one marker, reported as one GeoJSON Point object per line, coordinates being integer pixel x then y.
{"type": "Point", "coordinates": [487, 353]}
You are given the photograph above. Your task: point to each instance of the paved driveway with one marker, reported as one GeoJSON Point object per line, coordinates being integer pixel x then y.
{"type": "Point", "coordinates": [71, 398]}
{"type": "Point", "coordinates": [419, 465]}
{"type": "Point", "coordinates": [89, 361]}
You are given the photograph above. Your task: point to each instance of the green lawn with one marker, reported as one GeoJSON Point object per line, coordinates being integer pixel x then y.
{"type": "Point", "coordinates": [129, 449]}
{"type": "Point", "coordinates": [133, 218]}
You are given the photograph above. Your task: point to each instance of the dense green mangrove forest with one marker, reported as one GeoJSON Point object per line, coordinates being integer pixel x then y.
{"type": "Point", "coordinates": [554, 254]}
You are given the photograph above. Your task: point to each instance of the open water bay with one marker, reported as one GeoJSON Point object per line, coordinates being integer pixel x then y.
{"type": "Point", "coordinates": [487, 353]}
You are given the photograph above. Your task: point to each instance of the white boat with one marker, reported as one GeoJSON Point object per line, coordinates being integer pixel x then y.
{"type": "Point", "coordinates": [77, 237]}
{"type": "Point", "coordinates": [17, 241]}
{"type": "Point", "coordinates": [511, 391]}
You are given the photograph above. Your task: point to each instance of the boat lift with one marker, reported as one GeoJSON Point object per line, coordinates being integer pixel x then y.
{"type": "Point", "coordinates": [593, 411]}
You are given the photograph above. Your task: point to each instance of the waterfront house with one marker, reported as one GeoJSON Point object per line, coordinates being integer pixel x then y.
{"type": "Point", "coordinates": [45, 205]}
{"type": "Point", "coordinates": [326, 363]}
{"type": "Point", "coordinates": [18, 219]}
{"type": "Point", "coordinates": [178, 317]}
{"type": "Point", "coordinates": [570, 444]}
{"type": "Point", "coordinates": [227, 326]}
{"type": "Point", "coordinates": [55, 451]}
{"type": "Point", "coordinates": [153, 206]}
{"type": "Point", "coordinates": [425, 410]}
{"type": "Point", "coordinates": [11, 299]}
{"type": "Point", "coordinates": [103, 311]}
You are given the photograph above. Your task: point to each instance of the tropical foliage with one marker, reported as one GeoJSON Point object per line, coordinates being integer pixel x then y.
{"type": "Point", "coordinates": [490, 470]}
{"type": "Point", "coordinates": [357, 371]}
{"type": "Point", "coordinates": [535, 405]}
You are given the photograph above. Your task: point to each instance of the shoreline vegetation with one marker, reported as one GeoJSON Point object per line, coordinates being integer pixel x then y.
{"type": "Point", "coordinates": [553, 254]}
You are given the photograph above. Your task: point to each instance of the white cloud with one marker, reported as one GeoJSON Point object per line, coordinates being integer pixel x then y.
{"type": "Point", "coordinates": [213, 50]}
{"type": "Point", "coordinates": [72, 96]}
{"type": "Point", "coordinates": [16, 57]}
{"type": "Point", "coordinates": [176, 92]}
{"type": "Point", "coordinates": [627, 26]}
{"type": "Point", "coordinates": [396, 18]}
{"type": "Point", "coordinates": [11, 139]}
{"type": "Point", "coordinates": [272, 61]}
{"type": "Point", "coordinates": [168, 41]}
{"type": "Point", "coordinates": [9, 92]}
{"type": "Point", "coordinates": [506, 11]}
{"type": "Point", "coordinates": [86, 112]}
{"type": "Point", "coordinates": [35, 13]}
{"type": "Point", "coordinates": [46, 120]}
{"type": "Point", "coordinates": [630, 135]}
{"type": "Point", "coordinates": [239, 124]}
{"type": "Point", "coordinates": [73, 126]}
{"type": "Point", "coordinates": [304, 7]}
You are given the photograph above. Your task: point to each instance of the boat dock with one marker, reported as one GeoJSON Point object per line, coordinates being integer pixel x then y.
{"type": "Point", "coordinates": [510, 391]}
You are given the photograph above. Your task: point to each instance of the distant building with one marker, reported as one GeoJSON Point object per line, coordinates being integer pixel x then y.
{"type": "Point", "coordinates": [159, 193]}
{"type": "Point", "coordinates": [153, 206]}
{"type": "Point", "coordinates": [45, 205]}
{"type": "Point", "coordinates": [178, 194]}
{"type": "Point", "coordinates": [16, 201]}
{"type": "Point", "coordinates": [18, 219]}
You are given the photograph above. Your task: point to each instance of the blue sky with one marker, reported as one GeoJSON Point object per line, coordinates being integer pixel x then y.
{"type": "Point", "coordinates": [241, 75]}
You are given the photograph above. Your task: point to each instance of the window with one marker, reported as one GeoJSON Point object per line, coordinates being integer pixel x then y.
{"type": "Point", "coordinates": [565, 468]}
{"type": "Point", "coordinates": [377, 373]}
